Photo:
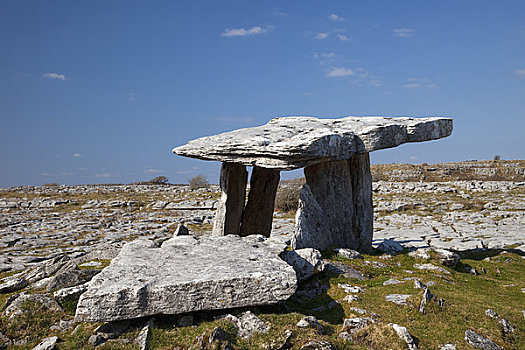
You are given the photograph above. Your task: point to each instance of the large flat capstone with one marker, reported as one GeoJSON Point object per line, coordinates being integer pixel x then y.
{"type": "Point", "coordinates": [188, 274]}
{"type": "Point", "coordinates": [294, 142]}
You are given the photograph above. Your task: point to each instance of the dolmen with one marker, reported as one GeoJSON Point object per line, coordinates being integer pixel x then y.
{"type": "Point", "coordinates": [240, 264]}
{"type": "Point", "coordinates": [335, 207]}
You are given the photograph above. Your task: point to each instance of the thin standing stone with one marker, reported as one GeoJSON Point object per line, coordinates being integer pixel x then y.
{"type": "Point", "coordinates": [363, 220]}
{"type": "Point", "coordinates": [258, 214]}
{"type": "Point", "coordinates": [230, 207]}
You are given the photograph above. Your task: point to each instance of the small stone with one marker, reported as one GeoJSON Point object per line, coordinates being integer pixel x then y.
{"type": "Point", "coordinates": [448, 347]}
{"type": "Point", "coordinates": [145, 334]}
{"type": "Point", "coordinates": [491, 313]}
{"type": "Point", "coordinates": [392, 281]}
{"type": "Point", "coordinates": [348, 253]}
{"type": "Point", "coordinates": [399, 299]}
{"type": "Point", "coordinates": [403, 333]}
{"type": "Point", "coordinates": [306, 262]}
{"type": "Point", "coordinates": [431, 267]}
{"type": "Point", "coordinates": [390, 246]}
{"type": "Point", "coordinates": [12, 284]}
{"type": "Point", "coordinates": [480, 342]}
{"type": "Point", "coordinates": [47, 344]}
{"type": "Point", "coordinates": [62, 325]}
{"type": "Point", "coordinates": [310, 322]}
{"type": "Point", "coordinates": [181, 231]}
{"type": "Point", "coordinates": [419, 285]}
{"type": "Point", "coordinates": [96, 340]}
{"type": "Point", "coordinates": [350, 289]}
{"type": "Point", "coordinates": [248, 324]}
{"type": "Point", "coordinates": [353, 324]}
{"type": "Point", "coordinates": [351, 298]}
{"type": "Point", "coordinates": [506, 328]}
{"type": "Point", "coordinates": [318, 345]}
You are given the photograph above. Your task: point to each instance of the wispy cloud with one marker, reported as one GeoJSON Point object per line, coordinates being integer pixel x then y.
{"type": "Point", "coordinates": [77, 155]}
{"type": "Point", "coordinates": [376, 82]}
{"type": "Point", "coordinates": [342, 37]}
{"type": "Point", "coordinates": [231, 32]}
{"type": "Point", "coordinates": [152, 171]}
{"type": "Point", "coordinates": [420, 83]}
{"type": "Point", "coordinates": [404, 32]}
{"type": "Point", "coordinates": [335, 18]}
{"type": "Point", "coordinates": [279, 13]}
{"type": "Point", "coordinates": [339, 72]}
{"type": "Point", "coordinates": [54, 76]}
{"type": "Point", "coordinates": [321, 36]}
{"type": "Point", "coordinates": [520, 72]}
{"type": "Point", "coordinates": [103, 175]}
{"type": "Point", "coordinates": [132, 96]}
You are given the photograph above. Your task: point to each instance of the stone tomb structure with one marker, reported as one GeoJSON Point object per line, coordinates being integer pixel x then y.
{"type": "Point", "coordinates": [335, 206]}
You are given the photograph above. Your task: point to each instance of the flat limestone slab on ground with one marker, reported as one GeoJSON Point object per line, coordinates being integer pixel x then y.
{"type": "Point", "coordinates": [187, 274]}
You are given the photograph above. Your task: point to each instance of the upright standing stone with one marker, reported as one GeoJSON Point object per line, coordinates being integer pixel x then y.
{"type": "Point", "coordinates": [229, 209]}
{"type": "Point", "coordinates": [258, 214]}
{"type": "Point", "coordinates": [328, 218]}
{"type": "Point", "coordinates": [363, 221]}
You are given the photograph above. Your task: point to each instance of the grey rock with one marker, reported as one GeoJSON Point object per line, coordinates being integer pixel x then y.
{"type": "Point", "coordinates": [111, 330]}
{"type": "Point", "coordinates": [318, 345]}
{"type": "Point", "coordinates": [506, 328]}
{"type": "Point", "coordinates": [47, 344]}
{"type": "Point", "coordinates": [403, 333]}
{"type": "Point", "coordinates": [351, 298]}
{"type": "Point", "coordinates": [145, 279]}
{"type": "Point", "coordinates": [257, 215]}
{"type": "Point", "coordinates": [14, 306]}
{"type": "Point", "coordinates": [392, 281]}
{"type": "Point", "coordinates": [70, 292]}
{"type": "Point", "coordinates": [181, 231]}
{"type": "Point", "coordinates": [70, 277]}
{"type": "Point", "coordinates": [399, 299]}
{"type": "Point", "coordinates": [144, 336]}
{"type": "Point", "coordinates": [390, 246]}
{"type": "Point", "coordinates": [12, 284]}
{"type": "Point", "coordinates": [491, 313]}
{"type": "Point", "coordinates": [480, 342]}
{"type": "Point", "coordinates": [248, 324]}
{"type": "Point", "coordinates": [351, 325]}
{"type": "Point", "coordinates": [96, 340]}
{"type": "Point", "coordinates": [419, 285]}
{"type": "Point", "coordinates": [445, 257]}
{"type": "Point", "coordinates": [62, 325]}
{"type": "Point", "coordinates": [338, 268]}
{"type": "Point", "coordinates": [448, 347]}
{"type": "Point", "coordinates": [350, 289]}
{"type": "Point", "coordinates": [348, 253]}
{"type": "Point", "coordinates": [431, 267]}
{"type": "Point", "coordinates": [310, 322]}
{"type": "Point", "coordinates": [296, 142]}
{"type": "Point", "coordinates": [306, 262]}
{"type": "Point", "coordinates": [230, 207]}
{"type": "Point", "coordinates": [47, 268]}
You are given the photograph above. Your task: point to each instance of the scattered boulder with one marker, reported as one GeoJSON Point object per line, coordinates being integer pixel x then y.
{"type": "Point", "coordinates": [62, 325]}
{"type": "Point", "coordinates": [506, 328]}
{"type": "Point", "coordinates": [348, 253]}
{"type": "Point", "coordinates": [480, 342]}
{"type": "Point", "coordinates": [445, 257]}
{"type": "Point", "coordinates": [47, 344]}
{"type": "Point", "coordinates": [248, 324]}
{"type": "Point", "coordinates": [403, 333]}
{"type": "Point", "coordinates": [306, 262]}
{"type": "Point", "coordinates": [390, 246]}
{"type": "Point", "coordinates": [491, 313]}
{"type": "Point", "coordinates": [12, 284]}
{"type": "Point", "coordinates": [431, 267]}
{"type": "Point", "coordinates": [338, 268]}
{"type": "Point", "coordinates": [145, 279]}
{"type": "Point", "coordinates": [318, 345]}
{"type": "Point", "coordinates": [14, 305]}
{"type": "Point", "coordinates": [350, 289]}
{"type": "Point", "coordinates": [70, 292]}
{"type": "Point", "coordinates": [351, 298]}
{"type": "Point", "coordinates": [399, 299]}
{"type": "Point", "coordinates": [310, 322]}
{"type": "Point", "coordinates": [144, 336]}
{"type": "Point", "coordinates": [448, 347]}
{"type": "Point", "coordinates": [392, 281]}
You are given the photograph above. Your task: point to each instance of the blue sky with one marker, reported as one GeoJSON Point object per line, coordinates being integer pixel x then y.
{"type": "Point", "coordinates": [101, 91]}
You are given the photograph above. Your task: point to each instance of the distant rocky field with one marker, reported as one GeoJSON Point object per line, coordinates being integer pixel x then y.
{"type": "Point", "coordinates": [54, 239]}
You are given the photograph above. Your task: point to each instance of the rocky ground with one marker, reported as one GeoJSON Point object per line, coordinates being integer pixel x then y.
{"type": "Point", "coordinates": [54, 239]}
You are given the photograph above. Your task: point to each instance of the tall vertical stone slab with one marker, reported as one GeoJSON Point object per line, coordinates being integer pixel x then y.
{"type": "Point", "coordinates": [258, 214]}
{"type": "Point", "coordinates": [233, 181]}
{"type": "Point", "coordinates": [330, 185]}
{"type": "Point", "coordinates": [363, 220]}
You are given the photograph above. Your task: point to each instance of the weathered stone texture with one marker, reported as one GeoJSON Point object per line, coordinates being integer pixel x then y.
{"type": "Point", "coordinates": [229, 209]}
{"type": "Point", "coordinates": [296, 142]}
{"type": "Point", "coordinates": [188, 274]}
{"type": "Point", "coordinates": [258, 213]}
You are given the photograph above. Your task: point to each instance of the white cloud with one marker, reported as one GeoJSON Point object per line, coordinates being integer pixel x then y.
{"type": "Point", "coordinates": [321, 36]}
{"type": "Point", "coordinates": [421, 86]}
{"type": "Point", "coordinates": [77, 155]}
{"type": "Point", "coordinates": [103, 175]}
{"type": "Point", "coordinates": [520, 72]}
{"type": "Point", "coordinates": [339, 72]}
{"type": "Point", "coordinates": [404, 32]}
{"type": "Point", "coordinates": [280, 14]}
{"type": "Point", "coordinates": [376, 83]}
{"type": "Point", "coordinates": [54, 76]}
{"type": "Point", "coordinates": [342, 37]}
{"type": "Point", "coordinates": [152, 171]}
{"type": "Point", "coordinates": [132, 96]}
{"type": "Point", "coordinates": [335, 18]}
{"type": "Point", "coordinates": [230, 32]}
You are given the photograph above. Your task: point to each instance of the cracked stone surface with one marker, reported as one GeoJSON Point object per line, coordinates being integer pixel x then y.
{"type": "Point", "coordinates": [187, 274]}
{"type": "Point", "coordinates": [288, 143]}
